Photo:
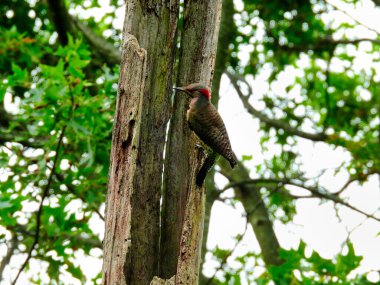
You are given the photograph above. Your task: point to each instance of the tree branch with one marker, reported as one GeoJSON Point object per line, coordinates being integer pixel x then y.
{"type": "Point", "coordinates": [60, 18]}
{"type": "Point", "coordinates": [228, 254]}
{"type": "Point", "coordinates": [314, 191]}
{"type": "Point", "coordinates": [108, 52]}
{"type": "Point", "coordinates": [327, 95]}
{"type": "Point", "coordinates": [352, 17]}
{"type": "Point", "coordinates": [40, 209]}
{"type": "Point", "coordinates": [326, 43]}
{"type": "Point", "coordinates": [265, 119]}
{"type": "Point", "coordinates": [65, 24]}
{"type": "Point", "coordinates": [8, 256]}
{"type": "Point", "coordinates": [355, 41]}
{"type": "Point", "coordinates": [256, 211]}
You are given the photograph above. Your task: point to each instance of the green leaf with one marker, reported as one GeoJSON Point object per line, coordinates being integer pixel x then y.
{"type": "Point", "coordinates": [247, 157]}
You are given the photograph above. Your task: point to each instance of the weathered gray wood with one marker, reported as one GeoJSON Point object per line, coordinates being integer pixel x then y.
{"type": "Point", "coordinates": [131, 244]}
{"type": "Point", "coordinates": [158, 281]}
{"type": "Point", "coordinates": [226, 36]}
{"type": "Point", "coordinates": [184, 203]}
{"type": "Point", "coordinates": [191, 239]}
{"type": "Point", "coordinates": [124, 151]}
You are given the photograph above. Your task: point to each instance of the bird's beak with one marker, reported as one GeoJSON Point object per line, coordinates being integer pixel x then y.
{"type": "Point", "coordinates": [183, 89]}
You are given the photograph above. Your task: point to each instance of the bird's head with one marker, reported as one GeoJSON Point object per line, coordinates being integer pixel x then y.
{"type": "Point", "coordinates": [195, 90]}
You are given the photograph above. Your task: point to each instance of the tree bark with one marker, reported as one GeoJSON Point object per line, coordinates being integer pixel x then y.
{"type": "Point", "coordinates": [143, 104]}
{"type": "Point", "coordinates": [226, 37]}
{"type": "Point", "coordinates": [227, 34]}
{"type": "Point", "coordinates": [196, 63]}
{"type": "Point", "coordinates": [191, 239]}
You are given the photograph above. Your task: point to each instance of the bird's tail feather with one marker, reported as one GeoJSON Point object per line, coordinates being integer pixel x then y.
{"type": "Point", "coordinates": [233, 160]}
{"type": "Point", "coordinates": [207, 164]}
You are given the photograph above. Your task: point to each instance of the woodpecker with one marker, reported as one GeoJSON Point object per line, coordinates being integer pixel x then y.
{"type": "Point", "coordinates": [205, 121]}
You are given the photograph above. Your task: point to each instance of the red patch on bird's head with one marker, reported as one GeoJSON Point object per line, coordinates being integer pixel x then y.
{"type": "Point", "coordinates": [205, 92]}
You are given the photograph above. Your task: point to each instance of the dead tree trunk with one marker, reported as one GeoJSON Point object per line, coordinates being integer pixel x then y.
{"type": "Point", "coordinates": [131, 252]}
{"type": "Point", "coordinates": [143, 103]}
{"type": "Point", "coordinates": [183, 203]}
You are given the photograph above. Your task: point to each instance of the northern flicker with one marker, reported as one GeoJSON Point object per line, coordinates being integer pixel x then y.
{"type": "Point", "coordinates": [205, 121]}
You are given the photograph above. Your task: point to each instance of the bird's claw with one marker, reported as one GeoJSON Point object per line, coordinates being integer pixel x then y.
{"type": "Point", "coordinates": [199, 147]}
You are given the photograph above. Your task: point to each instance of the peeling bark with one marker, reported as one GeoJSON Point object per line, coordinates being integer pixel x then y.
{"type": "Point", "coordinates": [124, 151]}
{"type": "Point", "coordinates": [197, 59]}
{"type": "Point", "coordinates": [191, 239]}
{"type": "Point", "coordinates": [158, 281]}
{"type": "Point", "coordinates": [226, 36]}
{"type": "Point", "coordinates": [143, 104]}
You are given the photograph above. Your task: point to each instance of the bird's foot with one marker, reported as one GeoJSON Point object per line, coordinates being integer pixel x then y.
{"type": "Point", "coordinates": [200, 148]}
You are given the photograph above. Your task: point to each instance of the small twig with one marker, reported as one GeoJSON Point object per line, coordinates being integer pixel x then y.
{"type": "Point", "coordinates": [8, 256]}
{"type": "Point", "coordinates": [352, 17]}
{"type": "Point", "coordinates": [327, 97]}
{"type": "Point", "coordinates": [254, 181]}
{"type": "Point", "coordinates": [314, 191]}
{"type": "Point", "coordinates": [269, 121]}
{"type": "Point", "coordinates": [46, 190]}
{"type": "Point", "coordinates": [40, 209]}
{"type": "Point", "coordinates": [224, 260]}
{"type": "Point", "coordinates": [109, 52]}
{"type": "Point", "coordinates": [349, 181]}
{"type": "Point", "coordinates": [349, 232]}
{"type": "Point", "coordinates": [240, 238]}
{"type": "Point", "coordinates": [344, 187]}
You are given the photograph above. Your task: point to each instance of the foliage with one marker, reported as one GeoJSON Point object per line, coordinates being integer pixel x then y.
{"type": "Point", "coordinates": [300, 266]}
{"type": "Point", "coordinates": [335, 99]}
{"type": "Point", "coordinates": [48, 89]}
{"type": "Point", "coordinates": [314, 89]}
{"type": "Point", "coordinates": [53, 89]}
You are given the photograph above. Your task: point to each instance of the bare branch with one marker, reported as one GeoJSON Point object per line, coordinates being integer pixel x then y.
{"type": "Point", "coordinates": [344, 187]}
{"type": "Point", "coordinates": [326, 92]}
{"type": "Point", "coordinates": [355, 41]}
{"type": "Point", "coordinates": [59, 17]}
{"type": "Point", "coordinates": [337, 200]}
{"type": "Point", "coordinates": [65, 24]}
{"type": "Point", "coordinates": [228, 254]}
{"type": "Point", "coordinates": [353, 179]}
{"type": "Point", "coordinates": [257, 212]}
{"type": "Point", "coordinates": [352, 17]}
{"type": "Point", "coordinates": [110, 53]}
{"type": "Point", "coordinates": [40, 209]}
{"type": "Point", "coordinates": [8, 256]}
{"type": "Point", "coordinates": [314, 191]}
{"type": "Point", "coordinates": [327, 43]}
{"type": "Point", "coordinates": [253, 181]}
{"type": "Point", "coordinates": [268, 121]}
{"type": "Point", "coordinates": [321, 136]}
